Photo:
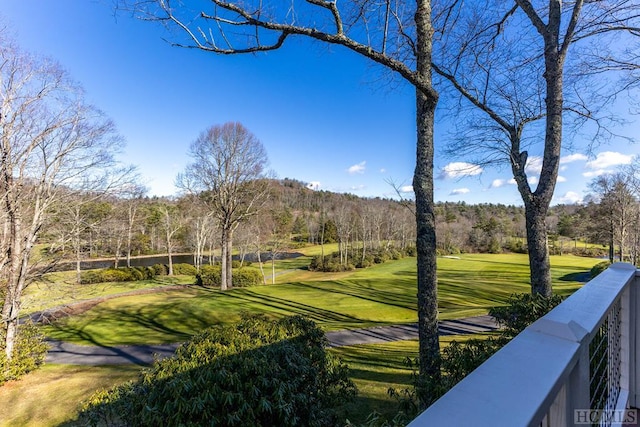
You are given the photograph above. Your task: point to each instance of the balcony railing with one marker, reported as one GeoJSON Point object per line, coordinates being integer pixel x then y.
{"type": "Point", "coordinates": [576, 365]}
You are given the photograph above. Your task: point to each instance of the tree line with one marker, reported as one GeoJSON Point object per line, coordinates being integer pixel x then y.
{"type": "Point", "coordinates": [293, 216]}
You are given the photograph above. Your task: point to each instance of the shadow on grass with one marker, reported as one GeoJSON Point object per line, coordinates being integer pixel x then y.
{"type": "Point", "coordinates": [147, 318]}
{"type": "Point", "coordinates": [581, 276]}
{"type": "Point", "coordinates": [316, 314]}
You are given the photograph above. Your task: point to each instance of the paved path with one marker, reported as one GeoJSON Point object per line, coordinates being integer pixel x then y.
{"type": "Point", "coordinates": [73, 354]}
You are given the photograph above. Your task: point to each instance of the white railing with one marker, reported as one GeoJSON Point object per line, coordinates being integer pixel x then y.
{"type": "Point", "coordinates": [575, 363]}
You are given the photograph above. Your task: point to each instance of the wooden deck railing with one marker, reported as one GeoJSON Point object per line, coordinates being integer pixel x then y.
{"type": "Point", "coordinates": [577, 365]}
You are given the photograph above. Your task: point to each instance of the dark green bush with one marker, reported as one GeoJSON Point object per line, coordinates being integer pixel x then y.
{"type": "Point", "coordinates": [160, 269]}
{"type": "Point", "coordinates": [461, 358]}
{"type": "Point", "coordinates": [394, 254]}
{"type": "Point", "coordinates": [147, 272]}
{"type": "Point", "coordinates": [209, 275]}
{"type": "Point", "coordinates": [110, 275]}
{"type": "Point", "coordinates": [28, 353]}
{"type": "Point", "coordinates": [258, 372]}
{"type": "Point", "coordinates": [184, 269]}
{"type": "Point", "coordinates": [135, 273]}
{"type": "Point", "coordinates": [599, 268]}
{"type": "Point", "coordinates": [411, 251]}
{"type": "Point", "coordinates": [522, 310]}
{"type": "Point", "coordinates": [246, 276]}
{"type": "Point", "coordinates": [236, 264]}
{"type": "Point", "coordinates": [332, 263]}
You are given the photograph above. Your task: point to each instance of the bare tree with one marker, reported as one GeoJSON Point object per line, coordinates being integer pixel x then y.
{"type": "Point", "coordinates": [51, 143]}
{"type": "Point", "coordinates": [617, 209]}
{"type": "Point", "coordinates": [132, 196]}
{"type": "Point", "coordinates": [227, 170]}
{"type": "Point", "coordinates": [172, 223]}
{"type": "Point", "coordinates": [396, 35]}
{"type": "Point", "coordinates": [508, 63]}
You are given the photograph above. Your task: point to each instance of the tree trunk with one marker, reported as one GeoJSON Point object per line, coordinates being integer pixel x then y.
{"type": "Point", "coordinates": [426, 244]}
{"type": "Point", "coordinates": [230, 259]}
{"type": "Point", "coordinates": [429, 348]}
{"type": "Point", "coordinates": [539, 264]}
{"type": "Point", "coordinates": [78, 258]}
{"type": "Point", "coordinates": [224, 259]}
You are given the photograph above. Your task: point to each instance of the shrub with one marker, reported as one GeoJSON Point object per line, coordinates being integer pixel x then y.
{"type": "Point", "coordinates": [134, 273]}
{"type": "Point", "coordinates": [256, 372]}
{"type": "Point", "coordinates": [517, 246]}
{"type": "Point", "coordinates": [111, 275]}
{"type": "Point", "coordinates": [394, 254]}
{"type": "Point", "coordinates": [461, 358]}
{"type": "Point", "coordinates": [522, 310]}
{"type": "Point", "coordinates": [411, 251]}
{"type": "Point", "coordinates": [246, 276]}
{"type": "Point", "coordinates": [599, 268]}
{"type": "Point", "coordinates": [184, 269]}
{"type": "Point", "coordinates": [160, 269]}
{"type": "Point", "coordinates": [209, 275]}
{"type": "Point", "coordinates": [28, 353]}
{"type": "Point", "coordinates": [236, 263]}
{"type": "Point", "coordinates": [147, 272]}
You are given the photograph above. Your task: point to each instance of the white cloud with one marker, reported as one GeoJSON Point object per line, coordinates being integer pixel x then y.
{"type": "Point", "coordinates": [534, 165]}
{"type": "Point", "coordinates": [595, 173]}
{"type": "Point", "coordinates": [561, 178]}
{"type": "Point", "coordinates": [608, 159]}
{"type": "Point", "coordinates": [459, 170]}
{"type": "Point", "coordinates": [459, 191]}
{"type": "Point", "coordinates": [383, 170]}
{"type": "Point", "coordinates": [533, 180]}
{"type": "Point", "coordinates": [572, 158]}
{"type": "Point", "coordinates": [570, 197]}
{"type": "Point", "coordinates": [358, 187]}
{"type": "Point", "coordinates": [313, 185]}
{"type": "Point", "coordinates": [497, 183]}
{"type": "Point", "coordinates": [406, 189]}
{"type": "Point", "coordinates": [359, 168]}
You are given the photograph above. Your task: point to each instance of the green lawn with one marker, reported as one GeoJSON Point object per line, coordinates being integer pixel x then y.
{"type": "Point", "coordinates": [55, 289]}
{"type": "Point", "coordinates": [384, 294]}
{"type": "Point", "coordinates": [51, 395]}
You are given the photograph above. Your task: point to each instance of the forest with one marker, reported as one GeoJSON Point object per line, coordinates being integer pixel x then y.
{"type": "Point", "coordinates": [119, 228]}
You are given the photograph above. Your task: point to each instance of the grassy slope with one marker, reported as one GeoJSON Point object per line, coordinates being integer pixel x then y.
{"type": "Point", "coordinates": [384, 294]}
{"type": "Point", "coordinates": [51, 395]}
{"type": "Point", "coordinates": [55, 289]}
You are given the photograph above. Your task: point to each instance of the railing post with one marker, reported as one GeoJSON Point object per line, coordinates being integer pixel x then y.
{"type": "Point", "coordinates": [579, 383]}
{"type": "Point", "coordinates": [634, 341]}
{"type": "Point", "coordinates": [627, 344]}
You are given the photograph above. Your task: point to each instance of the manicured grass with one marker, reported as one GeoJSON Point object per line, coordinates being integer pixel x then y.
{"type": "Point", "coordinates": [51, 395]}
{"type": "Point", "coordinates": [383, 294]}
{"type": "Point", "coordinates": [375, 368]}
{"type": "Point", "coordinates": [55, 289]}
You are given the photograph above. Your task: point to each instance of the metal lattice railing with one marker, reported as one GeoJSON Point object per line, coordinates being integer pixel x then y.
{"type": "Point", "coordinates": [580, 362]}
{"type": "Point", "coordinates": [605, 363]}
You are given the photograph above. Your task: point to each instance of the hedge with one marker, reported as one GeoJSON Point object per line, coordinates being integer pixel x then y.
{"type": "Point", "coordinates": [211, 275]}
{"type": "Point", "coordinates": [258, 372]}
{"type": "Point", "coordinates": [28, 353]}
{"type": "Point", "coordinates": [185, 269]}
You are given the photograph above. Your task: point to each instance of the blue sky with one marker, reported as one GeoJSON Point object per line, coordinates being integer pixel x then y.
{"type": "Point", "coordinates": [323, 114]}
